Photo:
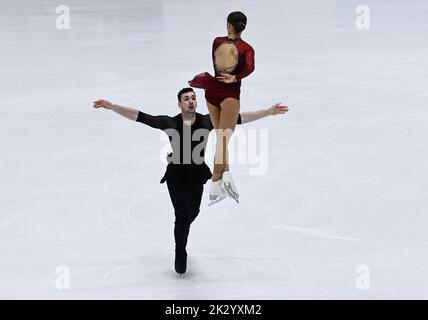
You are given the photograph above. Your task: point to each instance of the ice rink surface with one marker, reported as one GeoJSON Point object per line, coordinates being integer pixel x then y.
{"type": "Point", "coordinates": [344, 196]}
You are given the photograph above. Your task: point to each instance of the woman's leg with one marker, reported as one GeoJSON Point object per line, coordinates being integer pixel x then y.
{"type": "Point", "coordinates": [228, 117]}
{"type": "Point", "coordinates": [214, 114]}
{"type": "Point", "coordinates": [215, 120]}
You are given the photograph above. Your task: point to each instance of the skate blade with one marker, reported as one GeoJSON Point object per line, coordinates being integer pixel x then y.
{"type": "Point", "coordinates": [215, 200]}
{"type": "Point", "coordinates": [231, 193]}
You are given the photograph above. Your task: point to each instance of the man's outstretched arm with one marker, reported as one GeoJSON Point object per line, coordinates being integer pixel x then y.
{"type": "Point", "coordinates": [130, 113]}
{"type": "Point", "coordinates": [158, 122]}
{"type": "Point", "coordinates": [249, 116]}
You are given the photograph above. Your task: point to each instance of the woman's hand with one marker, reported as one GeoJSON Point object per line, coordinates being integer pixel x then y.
{"type": "Point", "coordinates": [226, 78]}
{"type": "Point", "coordinates": [101, 103]}
{"type": "Point", "coordinates": [277, 108]}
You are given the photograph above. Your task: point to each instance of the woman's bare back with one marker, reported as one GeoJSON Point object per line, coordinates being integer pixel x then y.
{"type": "Point", "coordinates": [226, 57]}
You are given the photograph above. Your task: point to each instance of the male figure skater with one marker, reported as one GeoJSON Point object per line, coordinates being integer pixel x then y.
{"type": "Point", "coordinates": [187, 171]}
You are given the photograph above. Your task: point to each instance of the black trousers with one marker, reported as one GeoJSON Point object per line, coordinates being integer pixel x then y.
{"type": "Point", "coordinates": [186, 198]}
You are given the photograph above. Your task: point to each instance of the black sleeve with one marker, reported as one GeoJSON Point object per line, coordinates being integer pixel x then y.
{"type": "Point", "coordinates": [157, 122]}
{"type": "Point", "coordinates": [208, 124]}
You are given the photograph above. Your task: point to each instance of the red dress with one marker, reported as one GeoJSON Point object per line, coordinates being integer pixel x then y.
{"type": "Point", "coordinates": [215, 90]}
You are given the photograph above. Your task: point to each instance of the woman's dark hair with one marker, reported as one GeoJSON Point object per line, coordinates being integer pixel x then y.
{"type": "Point", "coordinates": [238, 20]}
{"type": "Point", "coordinates": [182, 91]}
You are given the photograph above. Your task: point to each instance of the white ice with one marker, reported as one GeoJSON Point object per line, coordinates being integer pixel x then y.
{"type": "Point", "coordinates": [346, 187]}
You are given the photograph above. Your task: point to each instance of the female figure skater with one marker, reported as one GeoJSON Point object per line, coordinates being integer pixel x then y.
{"type": "Point", "coordinates": [233, 60]}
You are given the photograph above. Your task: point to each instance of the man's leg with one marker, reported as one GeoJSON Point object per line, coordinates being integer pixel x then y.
{"type": "Point", "coordinates": [195, 200]}
{"type": "Point", "coordinates": [192, 196]}
{"type": "Point", "coordinates": [178, 197]}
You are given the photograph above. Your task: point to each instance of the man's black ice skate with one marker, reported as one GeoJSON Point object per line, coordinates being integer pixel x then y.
{"type": "Point", "coordinates": [181, 262]}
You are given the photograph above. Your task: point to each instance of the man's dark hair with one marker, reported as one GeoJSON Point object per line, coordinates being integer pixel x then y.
{"type": "Point", "coordinates": [182, 91]}
{"type": "Point", "coordinates": [238, 20]}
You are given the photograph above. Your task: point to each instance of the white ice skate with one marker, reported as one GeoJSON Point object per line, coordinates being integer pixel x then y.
{"type": "Point", "coordinates": [230, 186]}
{"type": "Point", "coordinates": [217, 193]}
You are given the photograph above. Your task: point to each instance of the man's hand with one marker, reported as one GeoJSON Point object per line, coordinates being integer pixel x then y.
{"type": "Point", "coordinates": [226, 78]}
{"type": "Point", "coordinates": [103, 104]}
{"type": "Point", "coordinates": [277, 108]}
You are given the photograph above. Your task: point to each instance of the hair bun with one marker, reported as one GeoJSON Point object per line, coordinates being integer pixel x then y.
{"type": "Point", "coordinates": [238, 20]}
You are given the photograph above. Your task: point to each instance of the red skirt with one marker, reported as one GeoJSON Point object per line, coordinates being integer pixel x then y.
{"type": "Point", "coordinates": [215, 90]}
